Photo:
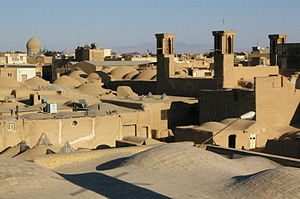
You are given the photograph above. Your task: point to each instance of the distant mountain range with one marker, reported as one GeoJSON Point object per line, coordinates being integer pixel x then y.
{"type": "Point", "coordinates": [180, 47]}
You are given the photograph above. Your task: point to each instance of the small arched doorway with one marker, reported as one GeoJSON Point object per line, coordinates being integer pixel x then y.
{"type": "Point", "coordinates": [232, 141]}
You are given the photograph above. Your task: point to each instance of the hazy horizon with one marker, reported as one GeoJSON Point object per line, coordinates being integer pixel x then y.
{"type": "Point", "coordinates": [65, 24]}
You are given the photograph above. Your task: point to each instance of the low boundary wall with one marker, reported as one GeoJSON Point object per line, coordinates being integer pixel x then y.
{"type": "Point", "coordinates": [285, 161]}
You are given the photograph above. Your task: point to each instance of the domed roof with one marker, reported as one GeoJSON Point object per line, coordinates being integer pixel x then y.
{"type": "Point", "coordinates": [92, 89]}
{"type": "Point", "coordinates": [77, 73]}
{"type": "Point", "coordinates": [21, 179]}
{"type": "Point", "coordinates": [120, 72]}
{"type": "Point", "coordinates": [33, 43]}
{"type": "Point", "coordinates": [131, 74]}
{"type": "Point", "coordinates": [53, 87]}
{"type": "Point", "coordinates": [212, 126]}
{"type": "Point", "coordinates": [93, 76]}
{"type": "Point", "coordinates": [36, 82]}
{"type": "Point", "coordinates": [81, 79]}
{"type": "Point", "coordinates": [123, 91]}
{"type": "Point", "coordinates": [146, 75]}
{"type": "Point", "coordinates": [108, 69]}
{"type": "Point", "coordinates": [67, 81]}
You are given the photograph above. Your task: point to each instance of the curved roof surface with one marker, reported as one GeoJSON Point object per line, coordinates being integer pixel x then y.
{"type": "Point", "coordinates": [131, 74]}
{"type": "Point", "coordinates": [120, 72]}
{"type": "Point", "coordinates": [33, 43]}
{"type": "Point", "coordinates": [81, 79]}
{"type": "Point", "coordinates": [67, 81]}
{"type": "Point", "coordinates": [239, 124]}
{"type": "Point", "coordinates": [36, 82]}
{"type": "Point", "coordinates": [93, 76]}
{"type": "Point", "coordinates": [198, 173]}
{"type": "Point", "coordinates": [146, 75]}
{"type": "Point", "coordinates": [21, 179]}
{"type": "Point", "coordinates": [54, 87]}
{"type": "Point", "coordinates": [212, 126]}
{"type": "Point", "coordinates": [77, 73]}
{"type": "Point", "coordinates": [92, 89]}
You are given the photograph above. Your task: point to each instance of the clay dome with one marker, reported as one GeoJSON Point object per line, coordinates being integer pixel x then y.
{"type": "Point", "coordinates": [53, 87]}
{"type": "Point", "coordinates": [67, 81]}
{"type": "Point", "coordinates": [131, 75]}
{"type": "Point", "coordinates": [120, 72]}
{"type": "Point", "coordinates": [92, 89]}
{"type": "Point", "coordinates": [108, 69]}
{"type": "Point", "coordinates": [146, 75]}
{"type": "Point", "coordinates": [21, 179]}
{"type": "Point", "coordinates": [36, 82]}
{"type": "Point", "coordinates": [212, 126]}
{"type": "Point", "coordinates": [33, 45]}
{"type": "Point", "coordinates": [77, 73]}
{"type": "Point", "coordinates": [81, 79]}
{"type": "Point", "coordinates": [93, 76]}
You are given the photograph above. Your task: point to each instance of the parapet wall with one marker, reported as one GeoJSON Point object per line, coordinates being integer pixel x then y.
{"type": "Point", "coordinates": [233, 74]}
{"type": "Point", "coordinates": [285, 161]}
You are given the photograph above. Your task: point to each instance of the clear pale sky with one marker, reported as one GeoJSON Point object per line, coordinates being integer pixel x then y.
{"type": "Point", "coordinates": [61, 24]}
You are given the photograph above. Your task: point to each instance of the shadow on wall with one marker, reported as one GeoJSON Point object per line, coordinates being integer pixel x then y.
{"type": "Point", "coordinates": [110, 187]}
{"type": "Point", "coordinates": [296, 117]}
{"type": "Point", "coordinates": [182, 114]}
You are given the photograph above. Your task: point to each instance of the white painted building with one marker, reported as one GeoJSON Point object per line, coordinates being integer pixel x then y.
{"type": "Point", "coordinates": [25, 73]}
{"type": "Point", "coordinates": [18, 72]}
{"type": "Point", "coordinates": [16, 58]}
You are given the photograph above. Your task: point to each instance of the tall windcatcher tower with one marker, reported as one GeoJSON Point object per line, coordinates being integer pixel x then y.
{"type": "Point", "coordinates": [165, 55]}
{"type": "Point", "coordinates": [223, 56]}
{"type": "Point", "coordinates": [275, 39]}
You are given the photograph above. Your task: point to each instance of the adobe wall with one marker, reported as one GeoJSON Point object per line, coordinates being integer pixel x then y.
{"type": "Point", "coordinates": [262, 132]}
{"type": "Point", "coordinates": [164, 114]}
{"type": "Point", "coordinates": [85, 67]}
{"type": "Point", "coordinates": [288, 148]}
{"type": "Point", "coordinates": [276, 101]}
{"type": "Point", "coordinates": [88, 132]}
{"type": "Point", "coordinates": [221, 104]}
{"type": "Point", "coordinates": [182, 113]}
{"type": "Point", "coordinates": [188, 87]}
{"type": "Point", "coordinates": [4, 71]}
